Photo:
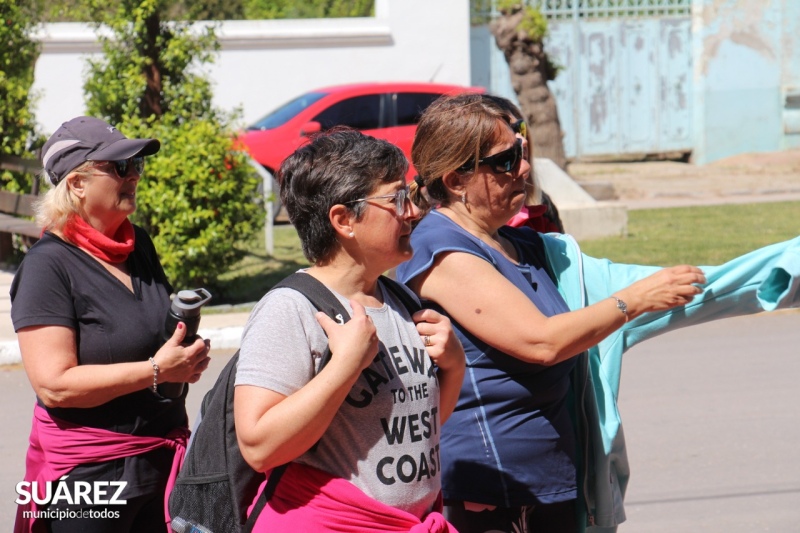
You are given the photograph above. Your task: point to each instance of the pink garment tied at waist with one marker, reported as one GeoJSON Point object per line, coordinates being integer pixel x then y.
{"type": "Point", "coordinates": [310, 500]}
{"type": "Point", "coordinates": [57, 446]}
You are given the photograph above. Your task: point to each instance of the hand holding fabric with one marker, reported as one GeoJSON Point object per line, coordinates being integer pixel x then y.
{"type": "Point", "coordinates": [664, 289]}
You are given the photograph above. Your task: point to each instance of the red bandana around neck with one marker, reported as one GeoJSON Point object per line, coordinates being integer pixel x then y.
{"type": "Point", "coordinates": [115, 250]}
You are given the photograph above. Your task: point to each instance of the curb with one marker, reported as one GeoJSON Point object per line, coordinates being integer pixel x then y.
{"type": "Point", "coordinates": [223, 338]}
{"type": "Point", "coordinates": [9, 353]}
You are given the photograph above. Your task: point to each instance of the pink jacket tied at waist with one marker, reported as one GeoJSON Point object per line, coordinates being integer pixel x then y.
{"type": "Point", "coordinates": [57, 446]}
{"type": "Point", "coordinates": [312, 501]}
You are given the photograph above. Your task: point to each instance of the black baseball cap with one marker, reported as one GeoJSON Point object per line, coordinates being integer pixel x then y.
{"type": "Point", "coordinates": [89, 139]}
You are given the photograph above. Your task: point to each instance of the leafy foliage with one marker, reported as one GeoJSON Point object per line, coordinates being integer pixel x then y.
{"type": "Point", "coordinates": [278, 9]}
{"type": "Point", "coordinates": [78, 10]}
{"type": "Point", "coordinates": [196, 200]}
{"type": "Point", "coordinates": [533, 23]}
{"type": "Point", "coordinates": [197, 196]}
{"type": "Point", "coordinates": [17, 60]}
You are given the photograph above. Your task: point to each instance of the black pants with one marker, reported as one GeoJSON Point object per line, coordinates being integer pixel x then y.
{"type": "Point", "coordinates": [140, 514]}
{"type": "Point", "coordinates": [540, 518]}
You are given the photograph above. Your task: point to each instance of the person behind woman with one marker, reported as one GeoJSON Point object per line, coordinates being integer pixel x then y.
{"type": "Point", "coordinates": [362, 433]}
{"type": "Point", "coordinates": [88, 304]}
{"type": "Point", "coordinates": [535, 442]}
{"type": "Point", "coordinates": [538, 211]}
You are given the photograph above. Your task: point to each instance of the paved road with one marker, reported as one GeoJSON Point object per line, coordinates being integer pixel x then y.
{"type": "Point", "coordinates": [712, 419]}
{"type": "Point", "coordinates": [712, 422]}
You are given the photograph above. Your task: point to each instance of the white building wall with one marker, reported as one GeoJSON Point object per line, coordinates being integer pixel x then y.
{"type": "Point", "coordinates": [265, 63]}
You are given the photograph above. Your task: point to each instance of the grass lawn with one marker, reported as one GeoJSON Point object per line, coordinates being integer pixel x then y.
{"type": "Point", "coordinates": [707, 235]}
{"type": "Point", "coordinates": [254, 275]}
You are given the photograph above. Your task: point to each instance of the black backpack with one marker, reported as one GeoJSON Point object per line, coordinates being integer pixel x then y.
{"type": "Point", "coordinates": [216, 485]}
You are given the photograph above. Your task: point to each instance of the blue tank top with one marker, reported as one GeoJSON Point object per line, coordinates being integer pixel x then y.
{"type": "Point", "coordinates": [511, 440]}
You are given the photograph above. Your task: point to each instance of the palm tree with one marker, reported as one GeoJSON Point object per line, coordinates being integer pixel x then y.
{"type": "Point", "coordinates": [519, 32]}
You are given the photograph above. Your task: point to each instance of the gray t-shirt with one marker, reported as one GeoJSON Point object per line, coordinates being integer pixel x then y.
{"type": "Point", "coordinates": [385, 437]}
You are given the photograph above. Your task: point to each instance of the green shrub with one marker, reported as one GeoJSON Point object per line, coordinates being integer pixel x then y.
{"type": "Point", "coordinates": [18, 55]}
{"type": "Point", "coordinates": [533, 23]}
{"type": "Point", "coordinates": [198, 195]}
{"type": "Point", "coordinates": [279, 9]}
{"type": "Point", "coordinates": [196, 201]}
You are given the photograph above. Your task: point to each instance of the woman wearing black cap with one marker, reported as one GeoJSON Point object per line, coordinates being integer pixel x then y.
{"type": "Point", "coordinates": [88, 306]}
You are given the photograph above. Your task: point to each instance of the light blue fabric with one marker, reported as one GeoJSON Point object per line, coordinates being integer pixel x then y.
{"type": "Point", "coordinates": [763, 280]}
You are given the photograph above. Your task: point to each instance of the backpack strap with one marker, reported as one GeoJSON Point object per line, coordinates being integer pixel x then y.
{"type": "Point", "coordinates": [320, 297]}
{"type": "Point", "coordinates": [402, 294]}
{"type": "Point", "coordinates": [263, 498]}
{"type": "Point", "coordinates": [317, 293]}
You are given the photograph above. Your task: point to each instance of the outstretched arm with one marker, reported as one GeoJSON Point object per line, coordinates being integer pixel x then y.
{"type": "Point", "coordinates": [488, 305]}
{"type": "Point", "coordinates": [762, 280]}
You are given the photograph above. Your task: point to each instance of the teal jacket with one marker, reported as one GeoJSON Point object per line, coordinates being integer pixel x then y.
{"type": "Point", "coordinates": [763, 280]}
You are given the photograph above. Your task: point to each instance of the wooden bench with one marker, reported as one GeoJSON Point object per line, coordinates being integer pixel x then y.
{"type": "Point", "coordinates": [16, 209]}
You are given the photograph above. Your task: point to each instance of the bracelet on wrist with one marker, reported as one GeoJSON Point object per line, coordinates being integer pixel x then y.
{"type": "Point", "coordinates": [622, 306]}
{"type": "Point", "coordinates": [155, 375]}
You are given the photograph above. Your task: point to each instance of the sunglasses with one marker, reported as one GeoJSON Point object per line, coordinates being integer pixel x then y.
{"type": "Point", "coordinates": [520, 127]}
{"type": "Point", "coordinates": [401, 200]}
{"type": "Point", "coordinates": [501, 162]}
{"type": "Point", "coordinates": [122, 166]}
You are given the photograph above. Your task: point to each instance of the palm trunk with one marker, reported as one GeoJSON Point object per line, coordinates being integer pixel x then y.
{"type": "Point", "coordinates": [531, 69]}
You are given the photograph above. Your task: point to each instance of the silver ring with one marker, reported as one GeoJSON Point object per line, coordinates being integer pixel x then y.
{"type": "Point", "coordinates": [426, 340]}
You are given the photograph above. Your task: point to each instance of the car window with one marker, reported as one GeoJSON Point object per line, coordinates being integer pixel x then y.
{"type": "Point", "coordinates": [286, 112]}
{"type": "Point", "coordinates": [360, 112]}
{"type": "Point", "coordinates": [411, 105]}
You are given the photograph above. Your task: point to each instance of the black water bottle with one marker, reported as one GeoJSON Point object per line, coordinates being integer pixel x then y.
{"type": "Point", "coordinates": [185, 308]}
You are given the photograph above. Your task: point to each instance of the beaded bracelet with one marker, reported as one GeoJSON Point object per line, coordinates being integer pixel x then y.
{"type": "Point", "coordinates": [155, 375]}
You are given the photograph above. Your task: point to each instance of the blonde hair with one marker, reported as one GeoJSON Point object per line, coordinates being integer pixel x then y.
{"type": "Point", "coordinates": [452, 131]}
{"type": "Point", "coordinates": [59, 204]}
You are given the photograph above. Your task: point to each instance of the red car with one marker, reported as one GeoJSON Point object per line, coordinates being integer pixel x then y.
{"type": "Point", "coordinates": [384, 110]}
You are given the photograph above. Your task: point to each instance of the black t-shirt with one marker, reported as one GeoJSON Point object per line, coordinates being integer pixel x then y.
{"type": "Point", "coordinates": [59, 284]}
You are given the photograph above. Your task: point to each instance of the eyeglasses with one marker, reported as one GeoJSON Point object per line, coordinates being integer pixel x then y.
{"type": "Point", "coordinates": [400, 198]}
{"type": "Point", "coordinates": [521, 127]}
{"type": "Point", "coordinates": [122, 166]}
{"type": "Point", "coordinates": [501, 162]}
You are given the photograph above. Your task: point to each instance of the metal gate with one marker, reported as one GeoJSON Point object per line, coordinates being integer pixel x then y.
{"type": "Point", "coordinates": [625, 83]}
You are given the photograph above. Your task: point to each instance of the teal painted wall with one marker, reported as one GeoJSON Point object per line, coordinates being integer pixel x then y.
{"type": "Point", "coordinates": [741, 92]}
{"type": "Point", "coordinates": [791, 73]}
{"type": "Point", "coordinates": [746, 63]}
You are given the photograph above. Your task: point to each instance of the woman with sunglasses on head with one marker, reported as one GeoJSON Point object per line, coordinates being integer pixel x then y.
{"type": "Point", "coordinates": [535, 442]}
{"type": "Point", "coordinates": [88, 305]}
{"type": "Point", "coordinates": [360, 434]}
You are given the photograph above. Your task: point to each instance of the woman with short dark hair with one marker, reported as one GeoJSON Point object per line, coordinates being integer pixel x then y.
{"type": "Point", "coordinates": [361, 434]}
